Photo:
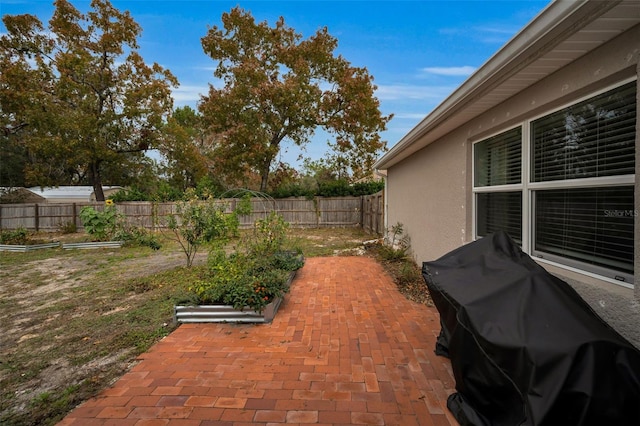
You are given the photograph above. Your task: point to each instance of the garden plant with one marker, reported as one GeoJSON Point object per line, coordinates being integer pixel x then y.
{"type": "Point", "coordinates": [198, 222]}
{"type": "Point", "coordinates": [255, 273]}
{"type": "Point", "coordinates": [109, 225]}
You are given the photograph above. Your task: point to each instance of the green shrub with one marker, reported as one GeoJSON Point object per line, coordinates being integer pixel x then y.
{"type": "Point", "coordinates": [67, 228]}
{"type": "Point", "coordinates": [199, 222]}
{"type": "Point", "coordinates": [136, 236]}
{"type": "Point", "coordinates": [256, 273]}
{"type": "Point", "coordinates": [408, 273]}
{"type": "Point", "coordinates": [109, 225]}
{"type": "Point", "coordinates": [243, 281]}
{"type": "Point", "coordinates": [131, 194]}
{"type": "Point", "coordinates": [18, 236]}
{"type": "Point", "coordinates": [269, 235]}
{"type": "Point", "coordinates": [396, 245]}
{"type": "Point", "coordinates": [101, 225]}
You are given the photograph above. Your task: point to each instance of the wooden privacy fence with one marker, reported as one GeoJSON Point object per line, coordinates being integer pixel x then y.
{"type": "Point", "coordinates": [373, 213]}
{"type": "Point", "coordinates": [365, 212]}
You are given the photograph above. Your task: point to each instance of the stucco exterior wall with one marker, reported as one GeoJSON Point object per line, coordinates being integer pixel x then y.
{"type": "Point", "coordinates": [430, 191]}
{"type": "Point", "coordinates": [428, 196]}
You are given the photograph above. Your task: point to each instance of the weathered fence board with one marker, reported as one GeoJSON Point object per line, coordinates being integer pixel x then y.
{"type": "Point", "coordinates": [299, 212]}
{"type": "Point", "coordinates": [373, 213]}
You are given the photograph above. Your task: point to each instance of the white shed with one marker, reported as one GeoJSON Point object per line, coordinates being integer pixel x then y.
{"type": "Point", "coordinates": [71, 194]}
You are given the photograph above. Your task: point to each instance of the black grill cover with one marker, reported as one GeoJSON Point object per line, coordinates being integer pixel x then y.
{"type": "Point", "coordinates": [525, 349]}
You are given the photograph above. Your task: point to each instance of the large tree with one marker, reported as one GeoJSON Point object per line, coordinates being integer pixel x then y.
{"type": "Point", "coordinates": [186, 149]}
{"type": "Point", "coordinates": [280, 87]}
{"type": "Point", "coordinates": [78, 95]}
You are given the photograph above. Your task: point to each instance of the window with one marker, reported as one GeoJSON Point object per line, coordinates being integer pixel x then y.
{"type": "Point", "coordinates": [577, 205]}
{"type": "Point", "coordinates": [500, 210]}
{"type": "Point", "coordinates": [594, 138]}
{"type": "Point", "coordinates": [593, 226]}
{"type": "Point", "coordinates": [497, 172]}
{"type": "Point", "coordinates": [498, 159]}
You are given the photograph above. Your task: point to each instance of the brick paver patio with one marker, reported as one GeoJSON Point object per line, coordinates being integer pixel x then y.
{"type": "Point", "coordinates": [346, 348]}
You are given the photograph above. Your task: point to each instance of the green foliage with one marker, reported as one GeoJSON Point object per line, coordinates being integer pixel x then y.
{"type": "Point", "coordinates": [242, 280]}
{"type": "Point", "coordinates": [269, 235]}
{"type": "Point", "coordinates": [67, 228]}
{"type": "Point", "coordinates": [166, 192]}
{"type": "Point", "coordinates": [243, 206]}
{"type": "Point", "coordinates": [342, 188]}
{"type": "Point", "coordinates": [199, 222]}
{"type": "Point", "coordinates": [287, 260]}
{"type": "Point", "coordinates": [328, 188]}
{"type": "Point", "coordinates": [367, 188]}
{"type": "Point", "coordinates": [293, 190]}
{"type": "Point", "coordinates": [81, 99]}
{"type": "Point", "coordinates": [131, 194]}
{"type": "Point", "coordinates": [186, 151]}
{"type": "Point", "coordinates": [137, 236]}
{"type": "Point", "coordinates": [101, 225]}
{"type": "Point", "coordinates": [253, 275]}
{"type": "Point", "coordinates": [280, 87]}
{"type": "Point", "coordinates": [18, 236]}
{"type": "Point", "coordinates": [396, 245]}
{"type": "Point", "coordinates": [109, 225]}
{"type": "Point", "coordinates": [408, 273]}
{"type": "Point", "coordinates": [207, 188]}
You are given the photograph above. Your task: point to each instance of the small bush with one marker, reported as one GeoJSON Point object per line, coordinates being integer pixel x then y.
{"type": "Point", "coordinates": [136, 236]}
{"type": "Point", "coordinates": [101, 225]}
{"type": "Point", "coordinates": [396, 245]}
{"type": "Point", "coordinates": [131, 194]}
{"type": "Point", "coordinates": [67, 228]}
{"type": "Point", "coordinates": [408, 273]}
{"type": "Point", "coordinates": [243, 281]}
{"type": "Point", "coordinates": [18, 236]}
{"type": "Point", "coordinates": [256, 273]}
{"type": "Point", "coordinates": [199, 222]}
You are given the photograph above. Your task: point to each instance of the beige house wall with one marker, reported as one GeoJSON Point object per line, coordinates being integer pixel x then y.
{"type": "Point", "coordinates": [430, 192]}
{"type": "Point", "coordinates": [427, 194]}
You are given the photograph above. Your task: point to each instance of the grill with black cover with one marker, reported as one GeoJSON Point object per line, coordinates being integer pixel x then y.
{"type": "Point", "coordinates": [525, 348]}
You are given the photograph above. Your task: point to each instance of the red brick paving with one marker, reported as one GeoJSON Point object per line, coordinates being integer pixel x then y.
{"type": "Point", "coordinates": [346, 348]}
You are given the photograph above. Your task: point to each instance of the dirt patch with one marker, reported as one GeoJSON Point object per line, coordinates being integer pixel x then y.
{"type": "Point", "coordinates": [40, 352]}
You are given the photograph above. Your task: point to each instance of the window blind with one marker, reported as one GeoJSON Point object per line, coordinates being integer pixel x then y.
{"type": "Point", "coordinates": [498, 160]}
{"type": "Point", "coordinates": [591, 225]}
{"type": "Point", "coordinates": [499, 211]}
{"type": "Point", "coordinates": [594, 138]}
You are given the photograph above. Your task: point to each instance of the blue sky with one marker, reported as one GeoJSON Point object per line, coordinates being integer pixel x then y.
{"type": "Point", "coordinates": [417, 51]}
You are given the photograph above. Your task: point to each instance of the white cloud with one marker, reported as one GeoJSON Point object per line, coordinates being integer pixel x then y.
{"type": "Point", "coordinates": [498, 29]}
{"type": "Point", "coordinates": [410, 115]}
{"type": "Point", "coordinates": [464, 71]}
{"type": "Point", "coordinates": [388, 92]}
{"type": "Point", "coordinates": [188, 95]}
{"type": "Point", "coordinates": [489, 34]}
{"type": "Point", "coordinates": [205, 68]}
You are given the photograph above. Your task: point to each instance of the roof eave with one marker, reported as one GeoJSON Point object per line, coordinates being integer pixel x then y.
{"type": "Point", "coordinates": [553, 22]}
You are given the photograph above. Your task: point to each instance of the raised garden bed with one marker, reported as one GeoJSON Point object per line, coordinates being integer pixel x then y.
{"type": "Point", "coordinates": [23, 248]}
{"type": "Point", "coordinates": [93, 245]}
{"type": "Point", "coordinates": [227, 313]}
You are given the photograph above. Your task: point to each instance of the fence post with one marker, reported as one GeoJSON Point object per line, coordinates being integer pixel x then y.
{"type": "Point", "coordinates": [36, 217]}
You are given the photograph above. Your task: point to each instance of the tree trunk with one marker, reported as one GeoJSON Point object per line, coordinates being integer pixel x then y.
{"type": "Point", "coordinates": [96, 180]}
{"type": "Point", "coordinates": [264, 175]}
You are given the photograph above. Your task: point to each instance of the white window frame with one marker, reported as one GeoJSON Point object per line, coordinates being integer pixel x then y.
{"type": "Point", "coordinates": [496, 188]}
{"type": "Point", "coordinates": [528, 188]}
